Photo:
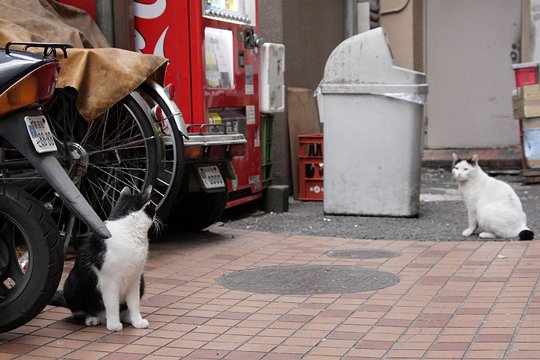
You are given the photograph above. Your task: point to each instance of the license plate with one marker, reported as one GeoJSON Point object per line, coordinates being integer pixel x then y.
{"type": "Point", "coordinates": [40, 133]}
{"type": "Point", "coordinates": [211, 177]}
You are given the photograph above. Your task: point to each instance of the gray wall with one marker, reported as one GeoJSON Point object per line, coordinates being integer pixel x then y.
{"type": "Point", "coordinates": [310, 30]}
{"type": "Point", "coordinates": [469, 71]}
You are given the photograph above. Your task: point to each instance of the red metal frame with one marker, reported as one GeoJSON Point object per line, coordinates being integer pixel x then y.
{"type": "Point", "coordinates": [249, 167]}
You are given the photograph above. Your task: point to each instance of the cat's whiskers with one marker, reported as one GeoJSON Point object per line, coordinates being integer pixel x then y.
{"type": "Point", "coordinates": [158, 225]}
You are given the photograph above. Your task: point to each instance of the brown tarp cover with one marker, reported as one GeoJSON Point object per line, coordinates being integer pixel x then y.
{"type": "Point", "coordinates": [102, 75]}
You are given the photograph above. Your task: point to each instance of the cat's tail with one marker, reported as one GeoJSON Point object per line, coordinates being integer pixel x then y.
{"type": "Point", "coordinates": [58, 299]}
{"type": "Point", "coordinates": [526, 235]}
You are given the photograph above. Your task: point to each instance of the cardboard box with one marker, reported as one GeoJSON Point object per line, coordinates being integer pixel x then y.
{"type": "Point", "coordinates": [531, 142]}
{"type": "Point", "coordinates": [526, 102]}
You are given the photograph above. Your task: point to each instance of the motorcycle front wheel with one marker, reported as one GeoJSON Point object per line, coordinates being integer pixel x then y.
{"type": "Point", "coordinates": [31, 257]}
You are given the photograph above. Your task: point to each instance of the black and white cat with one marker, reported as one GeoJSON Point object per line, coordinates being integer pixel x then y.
{"type": "Point", "coordinates": [492, 204]}
{"type": "Point", "coordinates": [108, 274]}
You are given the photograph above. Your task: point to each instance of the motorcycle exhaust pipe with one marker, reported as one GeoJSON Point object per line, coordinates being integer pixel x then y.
{"type": "Point", "coordinates": [12, 127]}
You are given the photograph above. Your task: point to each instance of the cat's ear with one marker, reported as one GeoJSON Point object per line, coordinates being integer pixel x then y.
{"type": "Point", "coordinates": [147, 193]}
{"type": "Point", "coordinates": [456, 158]}
{"type": "Point", "coordinates": [474, 159]}
{"type": "Point", "coordinates": [125, 191]}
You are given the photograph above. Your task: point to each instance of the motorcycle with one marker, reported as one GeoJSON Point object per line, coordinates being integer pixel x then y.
{"type": "Point", "coordinates": [31, 250]}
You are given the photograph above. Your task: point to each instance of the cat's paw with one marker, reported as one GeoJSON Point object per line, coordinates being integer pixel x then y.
{"type": "Point", "coordinates": [140, 324]}
{"type": "Point", "coordinates": [487, 235]}
{"type": "Point", "coordinates": [467, 232]}
{"type": "Point", "coordinates": [114, 326]}
{"type": "Point", "coordinates": [92, 321]}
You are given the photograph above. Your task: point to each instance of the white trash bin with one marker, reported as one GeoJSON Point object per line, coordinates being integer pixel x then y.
{"type": "Point", "coordinates": [372, 113]}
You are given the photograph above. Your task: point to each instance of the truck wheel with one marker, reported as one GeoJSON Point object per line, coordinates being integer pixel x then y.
{"type": "Point", "coordinates": [199, 210]}
{"type": "Point", "coordinates": [31, 257]}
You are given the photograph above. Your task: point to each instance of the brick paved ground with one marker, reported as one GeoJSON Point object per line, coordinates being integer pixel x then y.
{"type": "Point", "coordinates": [470, 300]}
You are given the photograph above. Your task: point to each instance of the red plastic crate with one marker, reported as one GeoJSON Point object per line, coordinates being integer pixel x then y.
{"type": "Point", "coordinates": [310, 145]}
{"type": "Point", "coordinates": [311, 180]}
{"type": "Point", "coordinates": [311, 167]}
{"type": "Point", "coordinates": [526, 73]}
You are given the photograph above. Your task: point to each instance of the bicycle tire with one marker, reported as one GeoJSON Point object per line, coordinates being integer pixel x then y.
{"type": "Point", "coordinates": [171, 170]}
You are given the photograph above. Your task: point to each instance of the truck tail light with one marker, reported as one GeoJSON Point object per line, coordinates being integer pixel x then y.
{"type": "Point", "coordinates": [238, 150]}
{"type": "Point", "coordinates": [193, 152]}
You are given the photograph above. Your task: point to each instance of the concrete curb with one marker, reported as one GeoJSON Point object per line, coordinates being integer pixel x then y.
{"type": "Point", "coordinates": [492, 159]}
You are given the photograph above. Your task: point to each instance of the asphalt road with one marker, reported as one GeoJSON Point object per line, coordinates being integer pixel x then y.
{"type": "Point", "coordinates": [442, 215]}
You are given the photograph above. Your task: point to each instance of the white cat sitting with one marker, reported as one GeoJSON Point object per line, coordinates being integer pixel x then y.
{"type": "Point", "coordinates": [492, 205]}
{"type": "Point", "coordinates": [106, 282]}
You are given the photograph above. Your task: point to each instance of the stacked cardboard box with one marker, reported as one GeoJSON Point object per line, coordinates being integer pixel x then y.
{"type": "Point", "coordinates": [526, 106]}
{"type": "Point", "coordinates": [526, 100]}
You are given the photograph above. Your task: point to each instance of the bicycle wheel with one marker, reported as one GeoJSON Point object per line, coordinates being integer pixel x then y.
{"type": "Point", "coordinates": [171, 170]}
{"type": "Point", "coordinates": [117, 149]}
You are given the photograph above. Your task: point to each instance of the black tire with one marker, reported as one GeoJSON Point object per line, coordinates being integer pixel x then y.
{"type": "Point", "coordinates": [197, 211]}
{"type": "Point", "coordinates": [27, 228]}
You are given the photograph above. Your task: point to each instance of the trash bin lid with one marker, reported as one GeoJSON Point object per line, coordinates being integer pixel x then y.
{"type": "Point", "coordinates": [411, 93]}
{"type": "Point", "coordinates": [366, 58]}
{"type": "Point", "coordinates": [378, 89]}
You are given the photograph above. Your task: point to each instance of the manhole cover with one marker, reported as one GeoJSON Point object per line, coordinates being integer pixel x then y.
{"type": "Point", "coordinates": [307, 280]}
{"type": "Point", "coordinates": [363, 254]}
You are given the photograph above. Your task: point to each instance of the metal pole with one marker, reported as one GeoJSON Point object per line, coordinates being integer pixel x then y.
{"type": "Point", "coordinates": [350, 18]}
{"type": "Point", "coordinates": [105, 18]}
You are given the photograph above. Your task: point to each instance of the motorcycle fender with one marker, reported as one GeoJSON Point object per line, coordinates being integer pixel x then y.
{"type": "Point", "coordinates": [13, 128]}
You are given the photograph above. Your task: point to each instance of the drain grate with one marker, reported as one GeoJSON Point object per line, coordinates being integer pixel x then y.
{"type": "Point", "coordinates": [308, 280]}
{"type": "Point", "coordinates": [363, 254]}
